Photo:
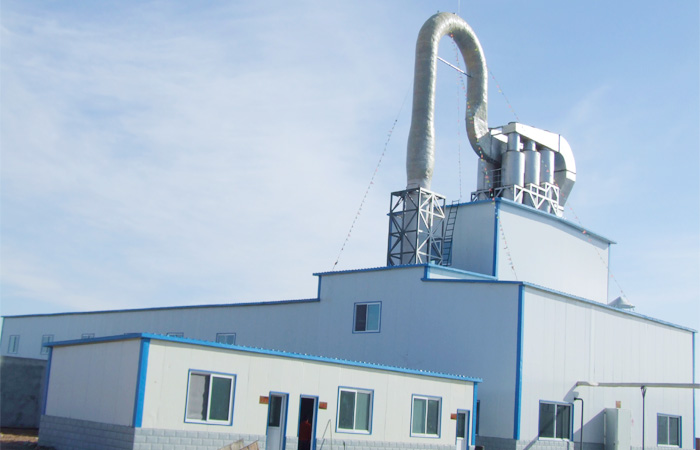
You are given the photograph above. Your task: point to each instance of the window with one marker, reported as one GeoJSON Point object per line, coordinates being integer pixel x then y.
{"type": "Point", "coordinates": [425, 416]}
{"type": "Point", "coordinates": [45, 339]}
{"type": "Point", "coordinates": [13, 346]}
{"type": "Point", "coordinates": [367, 317]}
{"type": "Point", "coordinates": [210, 398]}
{"type": "Point", "coordinates": [226, 338]}
{"type": "Point", "coordinates": [555, 420]}
{"type": "Point", "coordinates": [354, 410]}
{"type": "Point", "coordinates": [87, 335]}
{"type": "Point", "coordinates": [668, 430]}
{"type": "Point", "coordinates": [175, 334]}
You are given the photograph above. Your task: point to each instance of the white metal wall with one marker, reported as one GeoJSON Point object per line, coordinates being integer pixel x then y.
{"type": "Point", "coordinates": [258, 375]}
{"type": "Point", "coordinates": [94, 382]}
{"type": "Point", "coordinates": [566, 341]}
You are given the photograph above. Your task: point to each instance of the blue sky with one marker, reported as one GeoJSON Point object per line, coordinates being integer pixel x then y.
{"type": "Point", "coordinates": [169, 153]}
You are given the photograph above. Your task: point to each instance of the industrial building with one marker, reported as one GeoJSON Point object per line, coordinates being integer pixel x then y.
{"type": "Point", "coordinates": [501, 288]}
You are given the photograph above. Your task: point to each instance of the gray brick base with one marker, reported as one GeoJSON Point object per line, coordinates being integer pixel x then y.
{"type": "Point", "coordinates": [491, 443]}
{"type": "Point", "coordinates": [73, 434]}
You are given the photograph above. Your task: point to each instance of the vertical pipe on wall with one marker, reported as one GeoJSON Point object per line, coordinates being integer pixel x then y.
{"type": "Point", "coordinates": [532, 169]}
{"type": "Point", "coordinates": [513, 166]}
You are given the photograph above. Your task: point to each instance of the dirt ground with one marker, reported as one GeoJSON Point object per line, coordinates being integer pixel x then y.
{"type": "Point", "coordinates": [19, 439]}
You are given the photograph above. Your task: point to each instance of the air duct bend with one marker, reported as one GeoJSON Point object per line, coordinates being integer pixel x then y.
{"type": "Point", "coordinates": [420, 159]}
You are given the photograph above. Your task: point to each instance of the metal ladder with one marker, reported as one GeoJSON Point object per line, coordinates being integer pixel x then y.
{"type": "Point", "coordinates": [449, 232]}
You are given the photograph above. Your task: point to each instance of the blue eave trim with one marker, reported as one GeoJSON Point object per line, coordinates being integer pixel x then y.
{"type": "Point", "coordinates": [261, 351]}
{"type": "Point", "coordinates": [47, 378]}
{"type": "Point", "coordinates": [518, 368]}
{"type": "Point", "coordinates": [141, 382]}
{"type": "Point", "coordinates": [169, 308]}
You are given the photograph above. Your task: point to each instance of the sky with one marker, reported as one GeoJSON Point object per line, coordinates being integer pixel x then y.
{"type": "Point", "coordinates": [159, 153]}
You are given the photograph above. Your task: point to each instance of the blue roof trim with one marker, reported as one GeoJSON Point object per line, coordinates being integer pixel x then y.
{"type": "Point", "coordinates": [371, 269]}
{"type": "Point", "coordinates": [165, 308]}
{"type": "Point", "coordinates": [262, 351]}
{"type": "Point", "coordinates": [141, 383]}
{"type": "Point", "coordinates": [541, 213]}
{"type": "Point", "coordinates": [564, 294]}
{"type": "Point", "coordinates": [519, 368]}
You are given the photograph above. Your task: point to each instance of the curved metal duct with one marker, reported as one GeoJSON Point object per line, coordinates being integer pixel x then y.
{"type": "Point", "coordinates": [420, 159]}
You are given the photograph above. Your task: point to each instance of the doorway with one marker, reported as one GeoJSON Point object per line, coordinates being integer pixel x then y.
{"type": "Point", "coordinates": [308, 407]}
{"type": "Point", "coordinates": [462, 441]}
{"type": "Point", "coordinates": [276, 421]}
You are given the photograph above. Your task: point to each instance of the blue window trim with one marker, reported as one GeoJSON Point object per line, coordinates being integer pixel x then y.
{"type": "Point", "coordinates": [233, 396]}
{"type": "Point", "coordinates": [371, 410]}
{"type": "Point", "coordinates": [283, 432]}
{"type": "Point", "coordinates": [680, 430]}
{"type": "Point", "coordinates": [427, 436]}
{"type": "Point", "coordinates": [313, 429]}
{"type": "Point", "coordinates": [354, 317]}
{"type": "Point", "coordinates": [518, 368]}
{"type": "Point", "coordinates": [571, 420]}
{"type": "Point", "coordinates": [467, 423]}
{"type": "Point", "coordinates": [47, 378]}
{"type": "Point", "coordinates": [141, 382]}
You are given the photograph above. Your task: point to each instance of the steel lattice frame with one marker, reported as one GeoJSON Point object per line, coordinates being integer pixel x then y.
{"type": "Point", "coordinates": [416, 227]}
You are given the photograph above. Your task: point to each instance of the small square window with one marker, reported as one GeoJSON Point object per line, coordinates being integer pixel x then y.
{"type": "Point", "coordinates": [555, 420]}
{"type": "Point", "coordinates": [13, 345]}
{"type": "Point", "coordinates": [175, 334]}
{"type": "Point", "coordinates": [226, 338]}
{"type": "Point", "coordinates": [425, 416]}
{"type": "Point", "coordinates": [668, 430]}
{"type": "Point", "coordinates": [45, 339]}
{"type": "Point", "coordinates": [354, 410]}
{"type": "Point", "coordinates": [87, 336]}
{"type": "Point", "coordinates": [210, 398]}
{"type": "Point", "coordinates": [367, 317]}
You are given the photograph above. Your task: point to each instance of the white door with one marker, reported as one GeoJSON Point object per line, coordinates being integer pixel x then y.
{"type": "Point", "coordinates": [276, 421]}
{"type": "Point", "coordinates": [462, 442]}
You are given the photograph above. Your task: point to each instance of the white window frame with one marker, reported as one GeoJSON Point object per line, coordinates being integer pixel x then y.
{"type": "Point", "coordinates": [554, 423]}
{"type": "Point", "coordinates": [45, 339]}
{"type": "Point", "coordinates": [225, 335]}
{"type": "Point", "coordinates": [13, 345]}
{"type": "Point", "coordinates": [427, 399]}
{"type": "Point", "coordinates": [177, 334]}
{"type": "Point", "coordinates": [210, 376]}
{"type": "Point", "coordinates": [355, 430]}
{"type": "Point", "coordinates": [87, 336]}
{"type": "Point", "coordinates": [667, 417]}
{"type": "Point", "coordinates": [367, 304]}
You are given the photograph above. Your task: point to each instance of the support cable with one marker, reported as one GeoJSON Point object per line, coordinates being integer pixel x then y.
{"type": "Point", "coordinates": [371, 181]}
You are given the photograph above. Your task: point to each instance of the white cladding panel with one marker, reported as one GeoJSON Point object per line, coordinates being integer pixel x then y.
{"type": "Point", "coordinates": [257, 375]}
{"type": "Point", "coordinates": [463, 327]}
{"type": "Point", "coordinates": [547, 252]}
{"type": "Point", "coordinates": [566, 341]}
{"type": "Point", "coordinates": [473, 239]}
{"type": "Point", "coordinates": [94, 382]}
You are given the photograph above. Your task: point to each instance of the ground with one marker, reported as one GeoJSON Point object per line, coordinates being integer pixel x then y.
{"type": "Point", "coordinates": [20, 438]}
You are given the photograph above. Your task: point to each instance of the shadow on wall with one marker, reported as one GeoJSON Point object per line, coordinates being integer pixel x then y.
{"type": "Point", "coordinates": [21, 385]}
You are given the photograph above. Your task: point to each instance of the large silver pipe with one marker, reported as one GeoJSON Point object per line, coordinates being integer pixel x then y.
{"type": "Point", "coordinates": [420, 159]}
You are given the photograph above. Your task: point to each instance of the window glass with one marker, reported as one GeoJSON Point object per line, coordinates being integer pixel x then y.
{"type": "Point", "coordinates": [372, 317]}
{"type": "Point", "coordinates": [275, 409]}
{"type": "Point", "coordinates": [361, 318]}
{"type": "Point", "coordinates": [674, 431]}
{"type": "Point", "coordinates": [563, 421]}
{"type": "Point", "coordinates": [346, 417]}
{"type": "Point", "coordinates": [45, 339]}
{"type": "Point", "coordinates": [461, 425]}
{"type": "Point", "coordinates": [362, 411]}
{"type": "Point", "coordinates": [226, 338]}
{"type": "Point", "coordinates": [547, 420]}
{"type": "Point", "coordinates": [198, 397]}
{"type": "Point", "coordinates": [419, 413]}
{"type": "Point", "coordinates": [87, 335]}
{"type": "Point", "coordinates": [555, 420]}
{"type": "Point", "coordinates": [220, 398]}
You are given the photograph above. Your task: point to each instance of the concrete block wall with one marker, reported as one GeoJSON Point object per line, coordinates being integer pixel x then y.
{"type": "Point", "coordinates": [490, 443]}
{"type": "Point", "coordinates": [63, 433]}
{"type": "Point", "coordinates": [21, 387]}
